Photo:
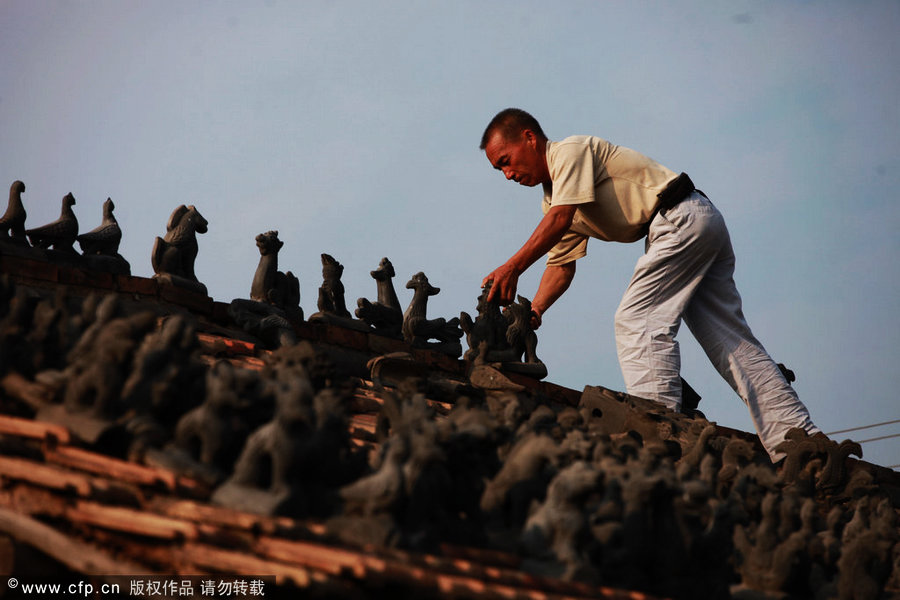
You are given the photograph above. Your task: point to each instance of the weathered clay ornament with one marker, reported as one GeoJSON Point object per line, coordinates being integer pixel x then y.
{"type": "Point", "coordinates": [488, 330]}
{"type": "Point", "coordinates": [61, 233]}
{"type": "Point", "coordinates": [331, 303]}
{"type": "Point", "coordinates": [173, 256]}
{"type": "Point", "coordinates": [271, 285]}
{"type": "Point", "coordinates": [418, 329]}
{"type": "Point", "coordinates": [506, 338]}
{"type": "Point", "coordinates": [385, 314]}
{"type": "Point", "coordinates": [274, 303]}
{"type": "Point", "coordinates": [331, 292]}
{"type": "Point", "coordinates": [100, 246]}
{"type": "Point", "coordinates": [205, 437]}
{"type": "Point", "coordinates": [12, 223]}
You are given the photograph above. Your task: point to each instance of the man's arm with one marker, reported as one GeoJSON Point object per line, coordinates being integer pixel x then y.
{"type": "Point", "coordinates": [548, 232]}
{"type": "Point", "coordinates": [554, 283]}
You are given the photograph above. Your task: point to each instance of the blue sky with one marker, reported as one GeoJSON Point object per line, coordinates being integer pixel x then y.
{"type": "Point", "coordinates": [352, 128]}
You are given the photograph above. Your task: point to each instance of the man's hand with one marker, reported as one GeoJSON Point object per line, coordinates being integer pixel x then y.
{"type": "Point", "coordinates": [535, 319]}
{"type": "Point", "coordinates": [505, 280]}
{"type": "Point", "coordinates": [548, 232]}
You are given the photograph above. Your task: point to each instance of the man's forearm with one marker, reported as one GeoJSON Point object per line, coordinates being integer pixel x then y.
{"type": "Point", "coordinates": [546, 235]}
{"type": "Point", "coordinates": [549, 231]}
{"type": "Point", "coordinates": [554, 283]}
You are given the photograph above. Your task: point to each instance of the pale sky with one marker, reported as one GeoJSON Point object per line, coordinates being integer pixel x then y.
{"type": "Point", "coordinates": [353, 127]}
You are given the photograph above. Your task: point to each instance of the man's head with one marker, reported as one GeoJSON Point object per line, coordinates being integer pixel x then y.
{"type": "Point", "coordinates": [515, 144]}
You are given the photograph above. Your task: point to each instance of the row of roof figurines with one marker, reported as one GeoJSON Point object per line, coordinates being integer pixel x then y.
{"type": "Point", "coordinates": [493, 336]}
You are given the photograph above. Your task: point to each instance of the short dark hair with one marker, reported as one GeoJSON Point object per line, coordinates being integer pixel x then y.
{"type": "Point", "coordinates": [510, 122]}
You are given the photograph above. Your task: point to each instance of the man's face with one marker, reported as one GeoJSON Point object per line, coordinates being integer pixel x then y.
{"type": "Point", "coordinates": [522, 159]}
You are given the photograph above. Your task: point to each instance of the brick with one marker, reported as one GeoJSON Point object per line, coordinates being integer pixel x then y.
{"type": "Point", "coordinates": [308, 331]}
{"type": "Point", "coordinates": [341, 336]}
{"type": "Point", "coordinates": [87, 278]}
{"type": "Point", "coordinates": [137, 285]}
{"type": "Point", "coordinates": [29, 269]}
{"type": "Point", "coordinates": [380, 344]}
{"type": "Point", "coordinates": [220, 312]}
{"type": "Point", "coordinates": [186, 298]}
{"type": "Point", "coordinates": [439, 360]}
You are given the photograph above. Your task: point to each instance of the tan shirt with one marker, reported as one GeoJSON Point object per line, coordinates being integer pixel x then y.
{"type": "Point", "coordinates": [614, 187]}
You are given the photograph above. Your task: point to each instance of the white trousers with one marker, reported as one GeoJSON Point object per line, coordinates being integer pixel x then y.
{"type": "Point", "coordinates": [687, 272]}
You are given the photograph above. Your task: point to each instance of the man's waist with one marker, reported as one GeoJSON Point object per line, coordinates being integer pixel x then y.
{"type": "Point", "coordinates": [675, 191]}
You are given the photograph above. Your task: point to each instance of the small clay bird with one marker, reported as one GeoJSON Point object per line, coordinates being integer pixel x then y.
{"type": "Point", "coordinates": [12, 223]}
{"type": "Point", "coordinates": [105, 238]}
{"type": "Point", "coordinates": [61, 233]}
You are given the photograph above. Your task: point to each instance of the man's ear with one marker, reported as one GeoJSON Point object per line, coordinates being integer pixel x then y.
{"type": "Point", "coordinates": [530, 137]}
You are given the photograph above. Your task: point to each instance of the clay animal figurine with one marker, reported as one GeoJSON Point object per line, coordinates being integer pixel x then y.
{"type": "Point", "coordinates": [100, 246]}
{"type": "Point", "coordinates": [385, 314]}
{"type": "Point", "coordinates": [12, 223]}
{"type": "Point", "coordinates": [506, 338]}
{"type": "Point", "coordinates": [271, 285]}
{"type": "Point", "coordinates": [417, 329]}
{"type": "Point", "coordinates": [275, 298]}
{"type": "Point", "coordinates": [331, 292]}
{"type": "Point", "coordinates": [173, 256]}
{"type": "Point", "coordinates": [488, 328]}
{"type": "Point", "coordinates": [61, 233]}
{"type": "Point", "coordinates": [103, 239]}
{"type": "Point", "coordinates": [208, 437]}
{"type": "Point", "coordinates": [559, 524]}
{"type": "Point", "coordinates": [519, 335]}
{"type": "Point", "coordinates": [263, 479]}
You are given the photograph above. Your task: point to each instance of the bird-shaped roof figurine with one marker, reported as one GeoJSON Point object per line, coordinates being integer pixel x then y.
{"type": "Point", "coordinates": [103, 239]}
{"type": "Point", "coordinates": [61, 233]}
{"type": "Point", "coordinates": [12, 223]}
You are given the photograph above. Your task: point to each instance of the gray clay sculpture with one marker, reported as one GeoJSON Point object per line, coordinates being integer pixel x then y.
{"type": "Point", "coordinates": [418, 329]}
{"type": "Point", "coordinates": [488, 330]}
{"type": "Point", "coordinates": [274, 303]}
{"type": "Point", "coordinates": [331, 303]}
{"type": "Point", "coordinates": [505, 338]}
{"type": "Point", "coordinates": [100, 246]}
{"type": "Point", "coordinates": [103, 239]}
{"type": "Point", "coordinates": [331, 292]}
{"type": "Point", "coordinates": [173, 256]}
{"type": "Point", "coordinates": [12, 223]}
{"type": "Point", "coordinates": [61, 233]}
{"type": "Point", "coordinates": [262, 479]}
{"type": "Point", "coordinates": [271, 285]}
{"type": "Point", "coordinates": [384, 315]}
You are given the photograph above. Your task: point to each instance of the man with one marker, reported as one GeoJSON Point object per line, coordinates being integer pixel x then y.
{"type": "Point", "coordinates": [595, 189]}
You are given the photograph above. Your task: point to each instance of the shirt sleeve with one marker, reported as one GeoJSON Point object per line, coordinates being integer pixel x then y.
{"type": "Point", "coordinates": [572, 173]}
{"type": "Point", "coordinates": [571, 247]}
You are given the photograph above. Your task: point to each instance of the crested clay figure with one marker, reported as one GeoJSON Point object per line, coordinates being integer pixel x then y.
{"type": "Point", "coordinates": [506, 338]}
{"type": "Point", "coordinates": [274, 303]}
{"type": "Point", "coordinates": [418, 329]}
{"type": "Point", "coordinates": [208, 437]}
{"type": "Point", "coordinates": [271, 285]}
{"type": "Point", "coordinates": [487, 331]}
{"type": "Point", "coordinates": [100, 246]}
{"type": "Point", "coordinates": [262, 480]}
{"type": "Point", "coordinates": [385, 314]}
{"type": "Point", "coordinates": [294, 463]}
{"type": "Point", "coordinates": [173, 256]}
{"type": "Point", "coordinates": [12, 223]}
{"type": "Point", "coordinates": [331, 303]}
{"type": "Point", "coordinates": [331, 292]}
{"type": "Point", "coordinates": [61, 233]}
